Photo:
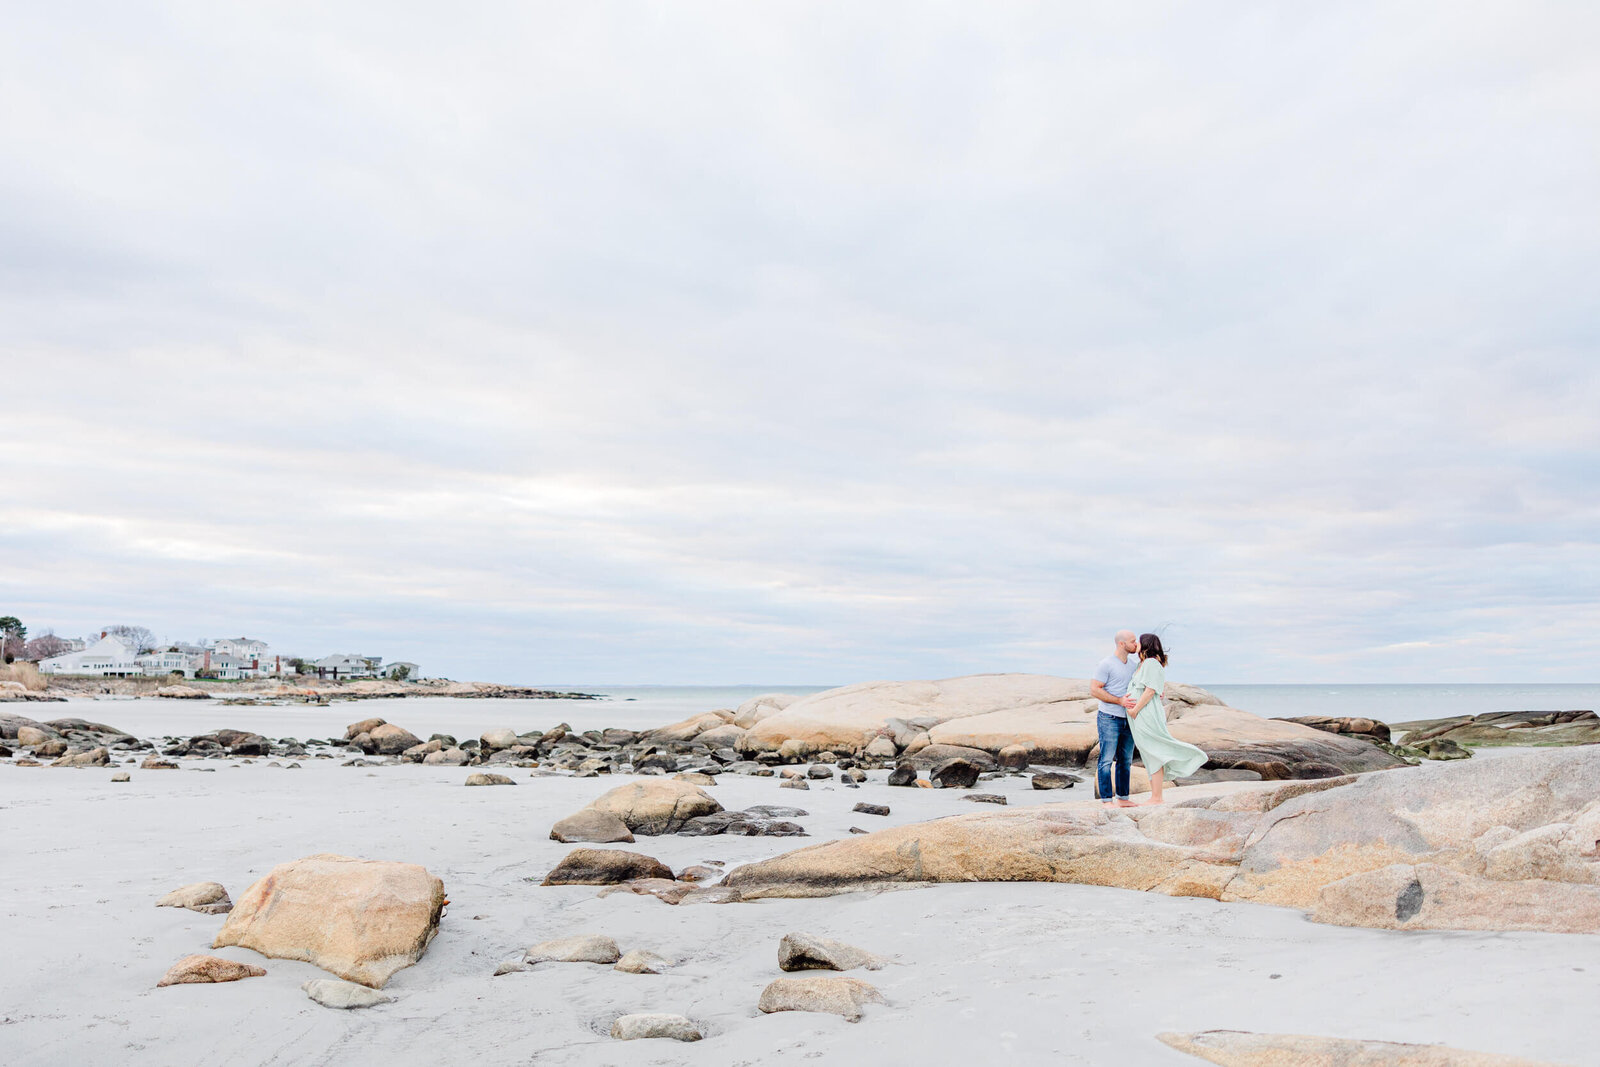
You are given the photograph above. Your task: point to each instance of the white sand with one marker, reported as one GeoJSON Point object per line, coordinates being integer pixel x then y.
{"type": "Point", "coordinates": [1038, 973]}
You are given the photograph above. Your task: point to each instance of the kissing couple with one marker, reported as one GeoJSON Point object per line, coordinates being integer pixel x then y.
{"type": "Point", "coordinates": [1131, 713]}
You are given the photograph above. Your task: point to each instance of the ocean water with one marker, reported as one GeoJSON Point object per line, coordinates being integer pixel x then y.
{"type": "Point", "coordinates": [643, 706]}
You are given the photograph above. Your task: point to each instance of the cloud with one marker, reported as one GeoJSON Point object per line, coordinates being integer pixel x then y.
{"type": "Point", "coordinates": [614, 344]}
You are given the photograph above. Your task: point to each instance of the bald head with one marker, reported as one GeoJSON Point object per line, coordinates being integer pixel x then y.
{"type": "Point", "coordinates": [1127, 641]}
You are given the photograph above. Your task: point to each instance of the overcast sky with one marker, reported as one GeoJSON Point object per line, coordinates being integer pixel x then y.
{"type": "Point", "coordinates": [799, 343]}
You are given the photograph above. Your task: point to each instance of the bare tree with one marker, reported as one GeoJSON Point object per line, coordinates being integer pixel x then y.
{"type": "Point", "coordinates": [139, 638]}
{"type": "Point", "coordinates": [46, 645]}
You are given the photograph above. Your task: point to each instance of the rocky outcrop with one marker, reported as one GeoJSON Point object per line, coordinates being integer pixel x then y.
{"type": "Point", "coordinates": [1237, 1048]}
{"type": "Point", "coordinates": [605, 866]}
{"type": "Point", "coordinates": [362, 920]}
{"type": "Point", "coordinates": [1510, 843]}
{"type": "Point", "coordinates": [1368, 729]}
{"type": "Point", "coordinates": [201, 968]}
{"type": "Point", "coordinates": [1506, 728]}
{"type": "Point", "coordinates": [835, 996]}
{"type": "Point", "coordinates": [656, 805]}
{"type": "Point", "coordinates": [1051, 719]}
{"type": "Point", "coordinates": [95, 757]}
{"type": "Point", "coordinates": [182, 692]}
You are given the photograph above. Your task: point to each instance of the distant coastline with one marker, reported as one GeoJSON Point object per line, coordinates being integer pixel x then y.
{"type": "Point", "coordinates": [297, 689]}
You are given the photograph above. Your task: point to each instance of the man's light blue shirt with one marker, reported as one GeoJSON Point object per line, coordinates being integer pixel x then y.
{"type": "Point", "coordinates": [1115, 676]}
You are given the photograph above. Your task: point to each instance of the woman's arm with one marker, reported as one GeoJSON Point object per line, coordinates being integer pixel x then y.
{"type": "Point", "coordinates": [1144, 698]}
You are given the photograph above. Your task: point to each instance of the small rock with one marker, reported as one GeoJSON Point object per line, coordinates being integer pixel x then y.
{"type": "Point", "coordinates": [794, 783]}
{"type": "Point", "coordinates": [333, 993]}
{"type": "Point", "coordinates": [156, 763]}
{"type": "Point", "coordinates": [872, 809]}
{"type": "Point", "coordinates": [807, 952]}
{"type": "Point", "coordinates": [1051, 780]}
{"type": "Point", "coordinates": [880, 748]}
{"type": "Point", "coordinates": [654, 1024]}
{"type": "Point", "coordinates": [642, 961]}
{"type": "Point", "coordinates": [905, 774]}
{"type": "Point", "coordinates": [794, 749]}
{"type": "Point", "coordinates": [835, 996]}
{"type": "Point", "coordinates": [986, 798]}
{"type": "Point", "coordinates": [605, 866]}
{"type": "Point", "coordinates": [853, 776]}
{"type": "Point", "coordinates": [208, 898]}
{"type": "Point", "coordinates": [693, 778]}
{"type": "Point", "coordinates": [122, 776]}
{"type": "Point", "coordinates": [819, 770]}
{"type": "Point", "coordinates": [698, 873]}
{"type": "Point", "coordinates": [954, 773]}
{"type": "Point", "coordinates": [585, 948]}
{"type": "Point", "coordinates": [859, 830]}
{"type": "Point", "coordinates": [202, 968]}
{"type": "Point", "coordinates": [510, 967]}
{"type": "Point", "coordinates": [1014, 757]}
{"type": "Point", "coordinates": [482, 778]}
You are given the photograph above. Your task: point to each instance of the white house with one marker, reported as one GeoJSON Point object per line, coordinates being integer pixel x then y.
{"type": "Point", "coordinates": [106, 658]}
{"type": "Point", "coordinates": [166, 662]}
{"type": "Point", "coordinates": [345, 665]}
{"type": "Point", "coordinates": [251, 658]}
{"type": "Point", "coordinates": [412, 671]}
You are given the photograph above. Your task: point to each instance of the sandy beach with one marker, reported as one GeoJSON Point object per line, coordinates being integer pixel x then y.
{"type": "Point", "coordinates": [1043, 973]}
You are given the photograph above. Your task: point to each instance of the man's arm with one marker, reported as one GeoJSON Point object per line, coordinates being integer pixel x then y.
{"type": "Point", "coordinates": [1097, 689]}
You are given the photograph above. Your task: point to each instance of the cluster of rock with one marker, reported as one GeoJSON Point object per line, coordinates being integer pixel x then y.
{"type": "Point", "coordinates": [1505, 844]}
{"type": "Point", "coordinates": [16, 692]}
{"type": "Point", "coordinates": [796, 952]}
{"type": "Point", "coordinates": [69, 742]}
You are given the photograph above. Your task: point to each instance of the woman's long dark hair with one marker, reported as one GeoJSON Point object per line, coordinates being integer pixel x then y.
{"type": "Point", "coordinates": [1150, 648]}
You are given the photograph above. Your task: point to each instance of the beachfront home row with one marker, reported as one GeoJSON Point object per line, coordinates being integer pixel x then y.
{"type": "Point", "coordinates": [347, 665]}
{"type": "Point", "coordinates": [230, 658]}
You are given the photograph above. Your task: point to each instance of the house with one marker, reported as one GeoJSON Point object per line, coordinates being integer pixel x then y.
{"type": "Point", "coordinates": [218, 665]}
{"type": "Point", "coordinates": [169, 661]}
{"type": "Point", "coordinates": [108, 657]}
{"type": "Point", "coordinates": [252, 658]}
{"type": "Point", "coordinates": [411, 670]}
{"type": "Point", "coordinates": [345, 665]}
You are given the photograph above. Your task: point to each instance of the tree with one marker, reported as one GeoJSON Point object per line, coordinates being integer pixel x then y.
{"type": "Point", "coordinates": [400, 673]}
{"type": "Point", "coordinates": [46, 645]}
{"type": "Point", "coordinates": [139, 638]}
{"type": "Point", "coordinates": [12, 635]}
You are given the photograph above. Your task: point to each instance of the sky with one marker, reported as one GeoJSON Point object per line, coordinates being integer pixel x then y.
{"type": "Point", "coordinates": [809, 343]}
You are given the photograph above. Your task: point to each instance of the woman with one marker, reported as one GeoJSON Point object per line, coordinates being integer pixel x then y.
{"type": "Point", "coordinates": [1162, 753]}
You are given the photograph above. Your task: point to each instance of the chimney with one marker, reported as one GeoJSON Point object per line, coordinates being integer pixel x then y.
{"type": "Point", "coordinates": [207, 665]}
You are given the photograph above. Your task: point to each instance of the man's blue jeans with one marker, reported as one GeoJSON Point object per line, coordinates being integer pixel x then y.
{"type": "Point", "coordinates": [1116, 749]}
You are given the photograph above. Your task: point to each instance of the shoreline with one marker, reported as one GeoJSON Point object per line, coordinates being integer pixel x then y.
{"type": "Point", "coordinates": [301, 689]}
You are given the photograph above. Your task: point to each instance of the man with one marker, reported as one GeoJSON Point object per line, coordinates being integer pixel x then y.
{"type": "Point", "coordinates": [1110, 686]}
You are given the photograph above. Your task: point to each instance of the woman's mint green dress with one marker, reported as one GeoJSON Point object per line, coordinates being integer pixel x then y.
{"type": "Point", "coordinates": [1157, 747]}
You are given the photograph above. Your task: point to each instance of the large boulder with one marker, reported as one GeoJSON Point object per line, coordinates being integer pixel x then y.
{"type": "Point", "coordinates": [389, 740]}
{"type": "Point", "coordinates": [808, 952]}
{"type": "Point", "coordinates": [689, 728]}
{"type": "Point", "coordinates": [588, 824]}
{"type": "Point", "coordinates": [1429, 897]}
{"type": "Point", "coordinates": [605, 866]}
{"type": "Point", "coordinates": [1449, 814]}
{"type": "Point", "coordinates": [10, 724]}
{"type": "Point", "coordinates": [365, 726]}
{"type": "Point", "coordinates": [34, 735]}
{"type": "Point", "coordinates": [362, 920]}
{"type": "Point", "coordinates": [1237, 1048]}
{"type": "Point", "coordinates": [656, 805]}
{"type": "Point", "coordinates": [1055, 717]}
{"type": "Point", "coordinates": [1047, 843]}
